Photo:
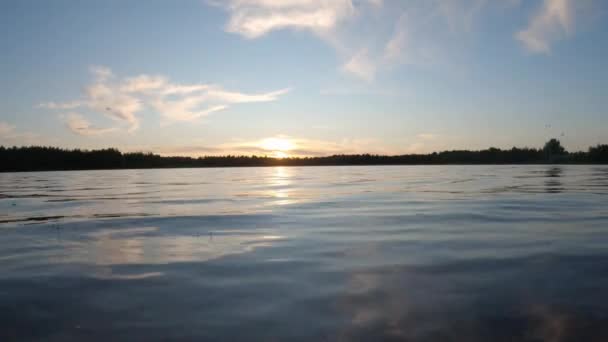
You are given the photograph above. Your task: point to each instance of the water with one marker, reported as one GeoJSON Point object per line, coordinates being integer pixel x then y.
{"type": "Point", "coordinates": [415, 253]}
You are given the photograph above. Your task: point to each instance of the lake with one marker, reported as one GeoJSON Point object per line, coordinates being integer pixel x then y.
{"type": "Point", "coordinates": [414, 253]}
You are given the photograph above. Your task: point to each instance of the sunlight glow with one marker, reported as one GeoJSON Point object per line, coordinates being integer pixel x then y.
{"type": "Point", "coordinates": [277, 144]}
{"type": "Point", "coordinates": [280, 154]}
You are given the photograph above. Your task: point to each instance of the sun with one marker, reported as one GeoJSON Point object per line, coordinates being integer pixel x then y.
{"type": "Point", "coordinates": [277, 144]}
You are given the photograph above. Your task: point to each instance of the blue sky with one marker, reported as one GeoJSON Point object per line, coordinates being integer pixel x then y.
{"type": "Point", "coordinates": [303, 77]}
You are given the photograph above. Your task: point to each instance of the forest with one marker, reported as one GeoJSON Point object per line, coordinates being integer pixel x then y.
{"type": "Point", "coordinates": [40, 158]}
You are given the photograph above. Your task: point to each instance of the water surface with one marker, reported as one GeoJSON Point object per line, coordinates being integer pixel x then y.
{"type": "Point", "coordinates": [414, 253]}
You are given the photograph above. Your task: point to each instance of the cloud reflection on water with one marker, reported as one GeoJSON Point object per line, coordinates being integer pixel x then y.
{"type": "Point", "coordinates": [361, 253]}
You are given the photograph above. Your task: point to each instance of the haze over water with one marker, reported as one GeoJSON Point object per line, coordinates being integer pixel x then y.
{"type": "Point", "coordinates": [415, 253]}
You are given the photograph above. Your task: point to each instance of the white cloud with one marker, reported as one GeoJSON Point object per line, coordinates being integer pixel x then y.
{"type": "Point", "coordinates": [423, 31]}
{"type": "Point", "coordinates": [398, 43]}
{"type": "Point", "coordinates": [431, 34]}
{"type": "Point", "coordinates": [255, 18]}
{"type": "Point", "coordinates": [361, 65]}
{"type": "Point", "coordinates": [234, 97]}
{"type": "Point", "coordinates": [143, 83]}
{"type": "Point", "coordinates": [117, 105]}
{"type": "Point", "coordinates": [553, 22]}
{"type": "Point", "coordinates": [186, 109]}
{"type": "Point", "coordinates": [123, 99]}
{"type": "Point", "coordinates": [79, 125]}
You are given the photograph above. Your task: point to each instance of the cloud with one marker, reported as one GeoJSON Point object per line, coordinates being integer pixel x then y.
{"type": "Point", "coordinates": [373, 37]}
{"type": "Point", "coordinates": [190, 102]}
{"type": "Point", "coordinates": [279, 145]}
{"type": "Point", "coordinates": [411, 42]}
{"type": "Point", "coordinates": [79, 125]}
{"type": "Point", "coordinates": [398, 43]}
{"type": "Point", "coordinates": [143, 83]}
{"type": "Point", "coordinates": [184, 109]}
{"type": "Point", "coordinates": [123, 99]}
{"type": "Point", "coordinates": [315, 147]}
{"type": "Point", "coordinates": [460, 15]}
{"type": "Point", "coordinates": [102, 73]}
{"type": "Point", "coordinates": [115, 104]}
{"type": "Point", "coordinates": [431, 34]}
{"type": "Point", "coordinates": [360, 31]}
{"type": "Point", "coordinates": [255, 18]}
{"type": "Point", "coordinates": [234, 97]}
{"type": "Point", "coordinates": [289, 146]}
{"type": "Point", "coordinates": [426, 136]}
{"type": "Point", "coordinates": [65, 105]}
{"type": "Point", "coordinates": [361, 66]}
{"type": "Point", "coordinates": [553, 22]}
{"type": "Point", "coordinates": [106, 97]}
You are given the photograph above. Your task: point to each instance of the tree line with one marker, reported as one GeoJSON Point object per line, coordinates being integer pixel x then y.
{"type": "Point", "coordinates": [38, 158]}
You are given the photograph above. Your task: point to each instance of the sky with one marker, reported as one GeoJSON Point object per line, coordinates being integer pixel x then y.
{"type": "Point", "coordinates": [303, 77]}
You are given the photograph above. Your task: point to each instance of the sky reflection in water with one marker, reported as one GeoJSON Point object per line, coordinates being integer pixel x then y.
{"type": "Point", "coordinates": [428, 253]}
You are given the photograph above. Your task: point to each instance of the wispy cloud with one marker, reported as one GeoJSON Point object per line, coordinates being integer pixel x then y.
{"type": "Point", "coordinates": [361, 65]}
{"type": "Point", "coordinates": [81, 126]}
{"type": "Point", "coordinates": [186, 109]}
{"type": "Point", "coordinates": [282, 145]}
{"type": "Point", "coordinates": [414, 41]}
{"type": "Point", "coordinates": [123, 99]}
{"type": "Point", "coordinates": [102, 73]}
{"type": "Point", "coordinates": [255, 18]}
{"type": "Point", "coordinates": [553, 22]}
{"type": "Point", "coordinates": [372, 37]}
{"type": "Point", "coordinates": [64, 105]}
{"type": "Point", "coordinates": [106, 97]}
{"type": "Point", "coordinates": [418, 27]}
{"type": "Point", "coordinates": [427, 136]}
{"type": "Point", "coordinates": [221, 95]}
{"type": "Point", "coordinates": [431, 32]}
{"type": "Point", "coordinates": [279, 145]}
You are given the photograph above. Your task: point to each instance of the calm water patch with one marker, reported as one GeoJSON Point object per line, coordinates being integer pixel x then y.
{"type": "Point", "coordinates": [414, 253]}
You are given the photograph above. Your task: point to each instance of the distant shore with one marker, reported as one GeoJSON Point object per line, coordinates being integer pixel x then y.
{"type": "Point", "coordinates": [37, 158]}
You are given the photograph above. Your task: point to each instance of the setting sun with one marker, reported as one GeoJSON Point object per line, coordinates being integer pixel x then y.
{"type": "Point", "coordinates": [278, 146]}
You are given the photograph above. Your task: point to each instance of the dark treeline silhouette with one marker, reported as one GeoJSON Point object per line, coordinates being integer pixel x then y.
{"type": "Point", "coordinates": [50, 158]}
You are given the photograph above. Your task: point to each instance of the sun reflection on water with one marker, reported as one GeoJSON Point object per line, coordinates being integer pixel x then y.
{"type": "Point", "coordinates": [280, 186]}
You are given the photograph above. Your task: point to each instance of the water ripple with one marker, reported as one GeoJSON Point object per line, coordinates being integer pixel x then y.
{"type": "Point", "coordinates": [433, 253]}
